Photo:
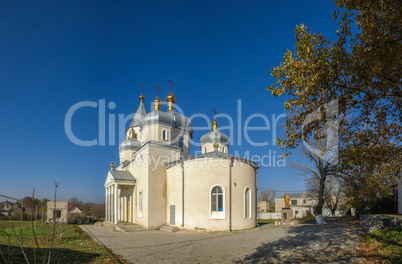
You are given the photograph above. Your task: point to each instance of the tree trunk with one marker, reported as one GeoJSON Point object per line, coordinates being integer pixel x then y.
{"type": "Point", "coordinates": [321, 194]}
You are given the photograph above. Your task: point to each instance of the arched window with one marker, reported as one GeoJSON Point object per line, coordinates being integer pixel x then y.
{"type": "Point", "coordinates": [140, 204]}
{"type": "Point", "coordinates": [164, 135]}
{"type": "Point", "coordinates": [247, 203]}
{"type": "Point", "coordinates": [217, 202]}
{"type": "Point", "coordinates": [205, 149]}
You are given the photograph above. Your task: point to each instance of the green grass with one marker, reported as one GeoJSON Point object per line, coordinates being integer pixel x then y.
{"type": "Point", "coordinates": [74, 246]}
{"type": "Point", "coordinates": [267, 221]}
{"type": "Point", "coordinates": [386, 244]}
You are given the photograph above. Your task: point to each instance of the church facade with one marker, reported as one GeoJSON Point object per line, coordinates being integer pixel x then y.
{"type": "Point", "coordinates": [158, 183]}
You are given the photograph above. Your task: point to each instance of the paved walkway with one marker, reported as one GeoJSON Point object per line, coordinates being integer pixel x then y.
{"type": "Point", "coordinates": [307, 243]}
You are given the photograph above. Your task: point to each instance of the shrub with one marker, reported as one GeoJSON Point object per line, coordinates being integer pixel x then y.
{"type": "Point", "coordinates": [72, 218]}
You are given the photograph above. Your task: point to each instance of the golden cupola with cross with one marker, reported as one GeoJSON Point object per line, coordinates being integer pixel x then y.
{"type": "Point", "coordinates": [214, 140]}
{"type": "Point", "coordinates": [129, 146]}
{"type": "Point", "coordinates": [168, 127]}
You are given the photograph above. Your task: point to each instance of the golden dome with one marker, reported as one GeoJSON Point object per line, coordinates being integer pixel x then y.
{"type": "Point", "coordinates": [214, 124]}
{"type": "Point", "coordinates": [142, 98]}
{"type": "Point", "coordinates": [157, 104]}
{"type": "Point", "coordinates": [112, 166]}
{"type": "Point", "coordinates": [131, 134]}
{"type": "Point", "coordinates": [171, 99]}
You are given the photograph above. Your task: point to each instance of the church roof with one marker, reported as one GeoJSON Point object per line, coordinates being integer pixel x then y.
{"type": "Point", "coordinates": [132, 143]}
{"type": "Point", "coordinates": [122, 175]}
{"type": "Point", "coordinates": [296, 195]}
{"type": "Point", "coordinates": [214, 136]}
{"type": "Point", "coordinates": [169, 118]}
{"type": "Point", "coordinates": [138, 119]}
{"type": "Point", "coordinates": [216, 154]}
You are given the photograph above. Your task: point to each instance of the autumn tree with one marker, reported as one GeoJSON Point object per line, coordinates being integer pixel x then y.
{"type": "Point", "coordinates": [268, 195]}
{"type": "Point", "coordinates": [75, 201]}
{"type": "Point", "coordinates": [316, 161]}
{"type": "Point", "coordinates": [361, 72]}
{"type": "Point", "coordinates": [333, 196]}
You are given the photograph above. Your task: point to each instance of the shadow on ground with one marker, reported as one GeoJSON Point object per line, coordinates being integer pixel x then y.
{"type": "Point", "coordinates": [13, 254]}
{"type": "Point", "coordinates": [335, 242]}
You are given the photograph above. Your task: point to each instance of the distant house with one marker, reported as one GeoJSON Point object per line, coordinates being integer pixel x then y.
{"type": "Point", "coordinates": [5, 208]}
{"type": "Point", "coordinates": [296, 199]}
{"type": "Point", "coordinates": [263, 207]}
{"type": "Point", "coordinates": [6, 205]}
{"type": "Point", "coordinates": [303, 202]}
{"type": "Point", "coordinates": [72, 209]}
{"type": "Point", "coordinates": [300, 203]}
{"type": "Point", "coordinates": [57, 212]}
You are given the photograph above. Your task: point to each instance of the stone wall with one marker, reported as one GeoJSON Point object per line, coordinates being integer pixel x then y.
{"type": "Point", "coordinates": [374, 222]}
{"type": "Point", "coordinates": [269, 215]}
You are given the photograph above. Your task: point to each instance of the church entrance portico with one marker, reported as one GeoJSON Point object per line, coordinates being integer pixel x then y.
{"type": "Point", "coordinates": [119, 188]}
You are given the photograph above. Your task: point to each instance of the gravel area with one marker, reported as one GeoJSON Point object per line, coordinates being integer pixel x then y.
{"type": "Point", "coordinates": [336, 242]}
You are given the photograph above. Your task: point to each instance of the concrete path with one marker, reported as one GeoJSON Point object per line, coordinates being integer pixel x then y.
{"type": "Point", "coordinates": [307, 243]}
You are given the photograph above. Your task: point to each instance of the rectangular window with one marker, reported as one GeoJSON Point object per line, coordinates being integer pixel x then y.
{"type": "Point", "coordinates": [304, 201]}
{"type": "Point", "coordinates": [294, 202]}
{"type": "Point", "coordinates": [56, 213]}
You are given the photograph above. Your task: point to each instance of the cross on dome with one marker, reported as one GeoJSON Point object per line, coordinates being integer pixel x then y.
{"type": "Point", "coordinates": [158, 88]}
{"type": "Point", "coordinates": [171, 84]}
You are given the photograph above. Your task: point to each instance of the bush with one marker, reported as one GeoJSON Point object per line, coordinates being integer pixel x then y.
{"type": "Point", "coordinates": [72, 218]}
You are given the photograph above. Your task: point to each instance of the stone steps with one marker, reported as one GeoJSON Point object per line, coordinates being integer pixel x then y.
{"type": "Point", "coordinates": [170, 229]}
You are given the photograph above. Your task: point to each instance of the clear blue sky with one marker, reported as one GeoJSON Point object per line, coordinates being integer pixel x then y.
{"type": "Point", "coordinates": [54, 54]}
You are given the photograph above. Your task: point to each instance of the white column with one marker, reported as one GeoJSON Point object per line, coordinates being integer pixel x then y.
{"type": "Point", "coordinates": [111, 204]}
{"type": "Point", "coordinates": [106, 206]}
{"type": "Point", "coordinates": [115, 203]}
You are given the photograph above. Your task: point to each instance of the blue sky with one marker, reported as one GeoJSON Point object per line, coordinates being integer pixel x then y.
{"type": "Point", "coordinates": [54, 54]}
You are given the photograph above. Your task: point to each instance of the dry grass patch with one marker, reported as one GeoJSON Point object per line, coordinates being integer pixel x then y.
{"type": "Point", "coordinates": [383, 246]}
{"type": "Point", "coordinates": [71, 245]}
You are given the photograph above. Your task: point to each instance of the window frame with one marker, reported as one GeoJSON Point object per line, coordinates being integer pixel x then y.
{"type": "Point", "coordinates": [248, 209]}
{"type": "Point", "coordinates": [164, 135]}
{"type": "Point", "coordinates": [217, 215]}
{"type": "Point", "coordinates": [140, 199]}
{"type": "Point", "coordinates": [57, 214]}
{"type": "Point", "coordinates": [181, 143]}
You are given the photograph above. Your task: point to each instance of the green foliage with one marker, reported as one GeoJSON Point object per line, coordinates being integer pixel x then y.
{"type": "Point", "coordinates": [360, 70]}
{"type": "Point", "coordinates": [389, 247]}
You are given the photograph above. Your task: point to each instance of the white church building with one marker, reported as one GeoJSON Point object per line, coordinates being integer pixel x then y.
{"type": "Point", "coordinates": [158, 183]}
